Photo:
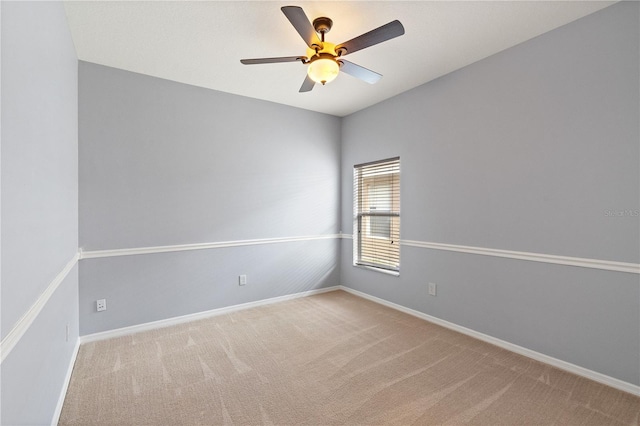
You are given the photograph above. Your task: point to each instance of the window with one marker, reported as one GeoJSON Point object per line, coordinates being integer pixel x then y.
{"type": "Point", "coordinates": [376, 208]}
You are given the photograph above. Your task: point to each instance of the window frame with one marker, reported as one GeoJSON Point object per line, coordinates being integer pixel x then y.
{"type": "Point", "coordinates": [388, 256]}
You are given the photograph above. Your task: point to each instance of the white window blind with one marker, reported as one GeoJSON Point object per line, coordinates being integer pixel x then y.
{"type": "Point", "coordinates": [376, 208]}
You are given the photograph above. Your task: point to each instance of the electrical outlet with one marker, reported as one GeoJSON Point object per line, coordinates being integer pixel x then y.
{"type": "Point", "coordinates": [432, 289]}
{"type": "Point", "coordinates": [243, 280]}
{"type": "Point", "coordinates": [101, 305]}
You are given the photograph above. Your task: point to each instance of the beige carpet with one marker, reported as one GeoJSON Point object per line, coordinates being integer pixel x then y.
{"type": "Point", "coordinates": [328, 359]}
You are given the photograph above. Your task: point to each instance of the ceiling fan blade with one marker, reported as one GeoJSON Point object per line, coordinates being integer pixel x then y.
{"type": "Point", "coordinates": [307, 85]}
{"type": "Point", "coordinates": [301, 23]}
{"type": "Point", "coordinates": [358, 71]}
{"type": "Point", "coordinates": [386, 32]}
{"type": "Point", "coordinates": [273, 60]}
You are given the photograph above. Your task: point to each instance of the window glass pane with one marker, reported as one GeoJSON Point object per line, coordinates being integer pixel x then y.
{"type": "Point", "coordinates": [379, 201]}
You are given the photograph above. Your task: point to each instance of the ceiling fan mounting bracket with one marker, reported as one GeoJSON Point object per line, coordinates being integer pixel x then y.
{"type": "Point", "coordinates": [322, 25]}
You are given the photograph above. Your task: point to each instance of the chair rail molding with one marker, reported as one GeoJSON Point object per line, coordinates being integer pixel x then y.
{"type": "Point", "coordinates": [92, 254]}
{"type": "Point", "coordinates": [607, 265]}
{"type": "Point", "coordinates": [15, 334]}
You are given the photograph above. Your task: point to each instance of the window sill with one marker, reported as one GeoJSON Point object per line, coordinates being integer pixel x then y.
{"type": "Point", "coordinates": [384, 271]}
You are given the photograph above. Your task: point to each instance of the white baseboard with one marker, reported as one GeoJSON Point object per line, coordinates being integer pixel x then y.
{"type": "Point", "coordinates": [199, 315]}
{"type": "Point", "coordinates": [65, 385]}
{"type": "Point", "coordinates": [563, 365]}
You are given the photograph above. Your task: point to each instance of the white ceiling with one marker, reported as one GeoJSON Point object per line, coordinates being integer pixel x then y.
{"type": "Point", "coordinates": [201, 42]}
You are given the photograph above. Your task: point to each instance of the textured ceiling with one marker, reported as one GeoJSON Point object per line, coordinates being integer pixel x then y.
{"type": "Point", "coordinates": [201, 42]}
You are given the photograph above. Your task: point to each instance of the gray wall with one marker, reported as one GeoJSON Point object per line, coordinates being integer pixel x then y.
{"type": "Point", "coordinates": [39, 203]}
{"type": "Point", "coordinates": [163, 163]}
{"type": "Point", "coordinates": [526, 151]}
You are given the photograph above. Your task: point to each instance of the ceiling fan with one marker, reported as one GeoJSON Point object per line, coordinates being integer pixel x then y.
{"type": "Point", "coordinates": [324, 59]}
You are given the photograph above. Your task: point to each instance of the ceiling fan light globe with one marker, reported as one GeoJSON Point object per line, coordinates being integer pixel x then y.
{"type": "Point", "coordinates": [323, 70]}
